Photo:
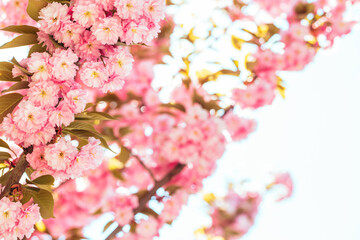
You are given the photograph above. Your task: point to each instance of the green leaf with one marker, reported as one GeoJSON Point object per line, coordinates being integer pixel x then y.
{"type": "Point", "coordinates": [4, 144]}
{"type": "Point", "coordinates": [78, 125]}
{"type": "Point", "coordinates": [34, 7]}
{"type": "Point", "coordinates": [94, 116]}
{"type": "Point", "coordinates": [178, 106]}
{"type": "Point", "coordinates": [26, 196]}
{"type": "Point", "coordinates": [4, 156]}
{"type": "Point", "coordinates": [124, 155]}
{"type": "Point", "coordinates": [108, 225]}
{"type": "Point", "coordinates": [17, 86]}
{"type": "Point", "coordinates": [22, 29]}
{"type": "Point", "coordinates": [44, 180]}
{"type": "Point", "coordinates": [140, 194]}
{"type": "Point", "coordinates": [6, 66]}
{"type": "Point", "coordinates": [22, 40]}
{"type": "Point", "coordinates": [124, 131]}
{"type": "Point", "coordinates": [8, 77]}
{"type": "Point", "coordinates": [4, 178]}
{"type": "Point", "coordinates": [36, 48]}
{"type": "Point", "coordinates": [117, 174]}
{"type": "Point", "coordinates": [45, 201]}
{"type": "Point", "coordinates": [17, 64]}
{"type": "Point", "coordinates": [8, 103]}
{"type": "Point", "coordinates": [84, 135]}
{"type": "Point", "coordinates": [208, 105]}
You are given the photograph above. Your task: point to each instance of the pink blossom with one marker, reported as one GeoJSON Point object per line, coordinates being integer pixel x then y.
{"type": "Point", "coordinates": [39, 65]}
{"type": "Point", "coordinates": [129, 9]}
{"type": "Point", "coordinates": [64, 65]}
{"type": "Point", "coordinates": [60, 155]}
{"type": "Point", "coordinates": [52, 16]}
{"type": "Point", "coordinates": [76, 100]}
{"type": "Point", "coordinates": [87, 13]}
{"type": "Point", "coordinates": [147, 228]}
{"type": "Point", "coordinates": [44, 94]}
{"type": "Point", "coordinates": [154, 9]}
{"type": "Point", "coordinates": [107, 30]}
{"type": "Point", "coordinates": [93, 74]}
{"type": "Point", "coordinates": [30, 118]}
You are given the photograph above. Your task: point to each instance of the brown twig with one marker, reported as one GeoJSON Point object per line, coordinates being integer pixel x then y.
{"type": "Point", "coordinates": [146, 198]}
{"type": "Point", "coordinates": [15, 176]}
{"type": "Point", "coordinates": [145, 167]}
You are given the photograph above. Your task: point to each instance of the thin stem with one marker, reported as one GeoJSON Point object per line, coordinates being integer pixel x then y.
{"type": "Point", "coordinates": [146, 198]}
{"type": "Point", "coordinates": [145, 167]}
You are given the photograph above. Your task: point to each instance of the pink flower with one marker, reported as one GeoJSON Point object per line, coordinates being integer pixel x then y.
{"type": "Point", "coordinates": [15, 222]}
{"type": "Point", "coordinates": [256, 95]}
{"type": "Point", "coordinates": [64, 65]}
{"type": "Point", "coordinates": [107, 30]}
{"type": "Point", "coordinates": [154, 9]}
{"type": "Point", "coordinates": [93, 74]}
{"type": "Point", "coordinates": [30, 118]}
{"type": "Point", "coordinates": [147, 228]}
{"type": "Point", "coordinates": [120, 62]}
{"type": "Point", "coordinates": [88, 48]}
{"type": "Point", "coordinates": [52, 16]}
{"type": "Point", "coordinates": [76, 100]}
{"type": "Point", "coordinates": [39, 65]}
{"type": "Point", "coordinates": [69, 34]}
{"type": "Point", "coordinates": [135, 32]}
{"type": "Point", "coordinates": [89, 157]}
{"type": "Point", "coordinates": [87, 13]}
{"type": "Point", "coordinates": [129, 9]}
{"type": "Point", "coordinates": [44, 94]}
{"type": "Point", "coordinates": [239, 128]}
{"type": "Point", "coordinates": [9, 213]}
{"type": "Point", "coordinates": [60, 155]}
{"type": "Point", "coordinates": [123, 205]}
{"type": "Point", "coordinates": [62, 115]}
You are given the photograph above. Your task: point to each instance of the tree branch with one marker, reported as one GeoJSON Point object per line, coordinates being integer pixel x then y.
{"type": "Point", "coordinates": [15, 175]}
{"type": "Point", "coordinates": [146, 198]}
{"type": "Point", "coordinates": [144, 166]}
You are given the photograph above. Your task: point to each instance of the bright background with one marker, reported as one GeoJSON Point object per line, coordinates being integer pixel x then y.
{"type": "Point", "coordinates": [314, 134]}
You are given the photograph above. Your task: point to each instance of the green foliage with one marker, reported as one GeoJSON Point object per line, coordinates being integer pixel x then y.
{"type": "Point", "coordinates": [8, 103]}
{"type": "Point", "coordinates": [4, 156]}
{"type": "Point", "coordinates": [22, 40]}
{"type": "Point", "coordinates": [17, 86]}
{"type": "Point", "coordinates": [34, 7]}
{"type": "Point", "coordinates": [21, 29]}
{"type": "Point", "coordinates": [8, 77]}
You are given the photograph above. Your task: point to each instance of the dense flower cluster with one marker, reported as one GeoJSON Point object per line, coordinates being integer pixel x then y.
{"type": "Point", "coordinates": [311, 26]}
{"type": "Point", "coordinates": [63, 160]}
{"type": "Point", "coordinates": [16, 220]}
{"type": "Point", "coordinates": [93, 29]}
{"type": "Point", "coordinates": [167, 147]}
{"type": "Point", "coordinates": [52, 99]}
{"type": "Point", "coordinates": [234, 214]}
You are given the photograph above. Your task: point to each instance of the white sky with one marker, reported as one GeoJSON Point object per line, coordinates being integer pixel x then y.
{"type": "Point", "coordinates": [314, 134]}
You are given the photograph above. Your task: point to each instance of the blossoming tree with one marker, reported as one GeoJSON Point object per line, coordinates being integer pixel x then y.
{"type": "Point", "coordinates": [86, 130]}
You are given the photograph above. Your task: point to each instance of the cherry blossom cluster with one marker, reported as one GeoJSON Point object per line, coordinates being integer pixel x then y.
{"type": "Point", "coordinates": [63, 160]}
{"type": "Point", "coordinates": [16, 220]}
{"type": "Point", "coordinates": [92, 30]}
{"type": "Point", "coordinates": [312, 26]}
{"type": "Point", "coordinates": [235, 213]}
{"type": "Point", "coordinates": [52, 99]}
